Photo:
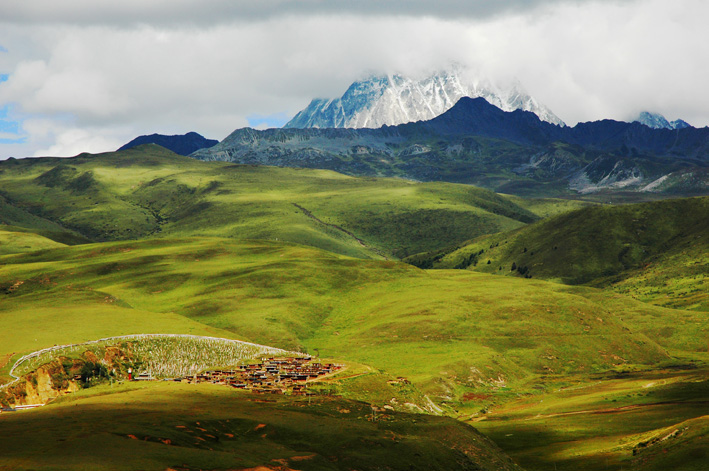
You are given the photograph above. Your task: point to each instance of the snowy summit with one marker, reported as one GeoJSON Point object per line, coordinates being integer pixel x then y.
{"type": "Point", "coordinates": [396, 99]}
{"type": "Point", "coordinates": [657, 121]}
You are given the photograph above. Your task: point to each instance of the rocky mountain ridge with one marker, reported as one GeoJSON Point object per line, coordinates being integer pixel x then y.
{"type": "Point", "coordinates": [657, 121]}
{"type": "Point", "coordinates": [477, 143]}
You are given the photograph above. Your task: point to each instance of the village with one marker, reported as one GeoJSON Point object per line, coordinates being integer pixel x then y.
{"type": "Point", "coordinates": [278, 375]}
{"type": "Point", "coordinates": [272, 376]}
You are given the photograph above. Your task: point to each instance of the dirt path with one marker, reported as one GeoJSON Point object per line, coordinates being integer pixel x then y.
{"type": "Point", "coordinates": [335, 376]}
{"type": "Point", "coordinates": [341, 229]}
{"type": "Point", "coordinates": [329, 376]}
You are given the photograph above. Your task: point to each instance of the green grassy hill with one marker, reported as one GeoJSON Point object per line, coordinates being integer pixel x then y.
{"type": "Point", "coordinates": [148, 191]}
{"type": "Point", "coordinates": [14, 219]}
{"type": "Point", "coordinates": [448, 331]}
{"type": "Point", "coordinates": [547, 207]}
{"type": "Point", "coordinates": [654, 251]}
{"type": "Point", "coordinates": [475, 344]}
{"type": "Point", "coordinates": [640, 421]}
{"type": "Point", "coordinates": [18, 240]}
{"type": "Point", "coordinates": [682, 447]}
{"type": "Point", "coordinates": [558, 374]}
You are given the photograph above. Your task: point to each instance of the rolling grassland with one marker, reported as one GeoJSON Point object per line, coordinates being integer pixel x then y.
{"type": "Point", "coordinates": [607, 370]}
{"type": "Point", "coordinates": [454, 335]}
{"type": "Point", "coordinates": [655, 252]}
{"type": "Point", "coordinates": [149, 191]}
{"type": "Point", "coordinates": [387, 314]}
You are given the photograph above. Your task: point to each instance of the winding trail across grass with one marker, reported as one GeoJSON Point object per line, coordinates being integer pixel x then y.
{"type": "Point", "coordinates": [341, 229]}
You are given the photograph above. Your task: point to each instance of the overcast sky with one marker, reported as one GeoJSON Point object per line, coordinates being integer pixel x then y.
{"type": "Point", "coordinates": [88, 76]}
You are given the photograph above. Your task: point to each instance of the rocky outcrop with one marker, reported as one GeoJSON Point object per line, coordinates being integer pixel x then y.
{"type": "Point", "coordinates": [40, 387]}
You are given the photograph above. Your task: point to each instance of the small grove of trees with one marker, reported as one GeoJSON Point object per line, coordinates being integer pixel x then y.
{"type": "Point", "coordinates": [91, 370]}
{"type": "Point", "coordinates": [82, 371]}
{"type": "Point", "coordinates": [522, 270]}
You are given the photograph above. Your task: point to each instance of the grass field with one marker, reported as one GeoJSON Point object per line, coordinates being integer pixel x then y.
{"type": "Point", "coordinates": [160, 426]}
{"type": "Point", "coordinates": [655, 252]}
{"type": "Point", "coordinates": [14, 219]}
{"type": "Point", "coordinates": [18, 240]}
{"type": "Point", "coordinates": [548, 207]}
{"type": "Point", "coordinates": [569, 376]}
{"type": "Point", "coordinates": [148, 191]}
{"type": "Point", "coordinates": [448, 331]}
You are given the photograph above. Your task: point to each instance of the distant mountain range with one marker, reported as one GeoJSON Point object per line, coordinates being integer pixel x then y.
{"type": "Point", "coordinates": [657, 121]}
{"type": "Point", "coordinates": [396, 99]}
{"type": "Point", "coordinates": [478, 143]}
{"type": "Point", "coordinates": [183, 144]}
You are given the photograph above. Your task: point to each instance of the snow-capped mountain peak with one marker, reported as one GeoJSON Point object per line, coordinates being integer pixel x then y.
{"type": "Point", "coordinates": [657, 121]}
{"type": "Point", "coordinates": [396, 99]}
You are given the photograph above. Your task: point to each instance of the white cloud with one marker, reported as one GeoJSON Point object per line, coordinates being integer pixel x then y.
{"type": "Point", "coordinates": [67, 140]}
{"type": "Point", "coordinates": [71, 142]}
{"type": "Point", "coordinates": [210, 12]}
{"type": "Point", "coordinates": [97, 78]}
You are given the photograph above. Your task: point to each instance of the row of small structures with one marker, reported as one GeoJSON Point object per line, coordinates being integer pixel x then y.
{"type": "Point", "coordinates": [272, 376]}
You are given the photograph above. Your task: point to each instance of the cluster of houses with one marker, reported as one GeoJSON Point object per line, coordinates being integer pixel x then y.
{"type": "Point", "coordinates": [273, 376]}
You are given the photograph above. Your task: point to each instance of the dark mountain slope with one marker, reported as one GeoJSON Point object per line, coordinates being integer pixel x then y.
{"type": "Point", "coordinates": [656, 251]}
{"type": "Point", "coordinates": [477, 143]}
{"type": "Point", "coordinates": [180, 144]}
{"type": "Point", "coordinates": [477, 117]}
